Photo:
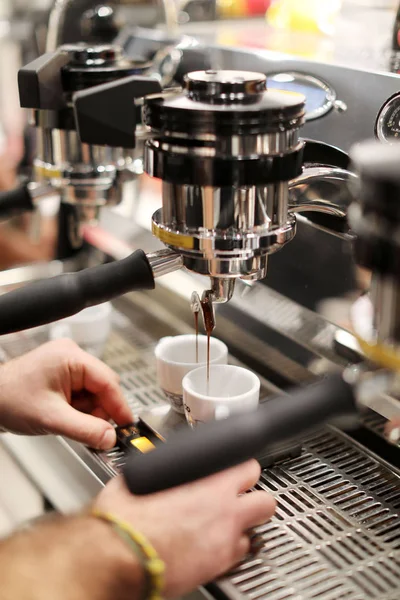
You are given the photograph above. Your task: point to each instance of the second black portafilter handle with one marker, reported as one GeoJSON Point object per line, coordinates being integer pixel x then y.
{"type": "Point", "coordinates": [15, 202]}
{"type": "Point", "coordinates": [58, 297]}
{"type": "Point", "coordinates": [192, 454]}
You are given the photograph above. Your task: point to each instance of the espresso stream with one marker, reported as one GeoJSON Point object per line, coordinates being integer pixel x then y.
{"type": "Point", "coordinates": [206, 307]}
{"type": "Point", "coordinates": [208, 316]}
{"type": "Point", "coordinates": [196, 325]}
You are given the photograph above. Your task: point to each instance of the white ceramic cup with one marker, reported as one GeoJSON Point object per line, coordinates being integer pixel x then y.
{"type": "Point", "coordinates": [176, 356]}
{"type": "Point", "coordinates": [231, 390]}
{"type": "Point", "coordinates": [90, 328]}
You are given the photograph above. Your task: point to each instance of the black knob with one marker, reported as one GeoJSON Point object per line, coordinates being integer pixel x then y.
{"type": "Point", "coordinates": [106, 115]}
{"type": "Point", "coordinates": [92, 65]}
{"type": "Point", "coordinates": [100, 25]}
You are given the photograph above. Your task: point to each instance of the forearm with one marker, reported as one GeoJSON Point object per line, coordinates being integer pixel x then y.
{"type": "Point", "coordinates": [72, 558]}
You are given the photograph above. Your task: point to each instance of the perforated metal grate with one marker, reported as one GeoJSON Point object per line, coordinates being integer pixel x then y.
{"type": "Point", "coordinates": [336, 532]}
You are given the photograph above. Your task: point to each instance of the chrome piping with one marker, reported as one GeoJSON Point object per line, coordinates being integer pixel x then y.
{"type": "Point", "coordinates": [326, 190]}
{"type": "Point", "coordinates": [165, 261]}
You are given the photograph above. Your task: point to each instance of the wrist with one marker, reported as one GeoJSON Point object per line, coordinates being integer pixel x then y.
{"type": "Point", "coordinates": [8, 414]}
{"type": "Point", "coordinates": [127, 574]}
{"type": "Point", "coordinates": [152, 565]}
{"type": "Point", "coordinates": [71, 558]}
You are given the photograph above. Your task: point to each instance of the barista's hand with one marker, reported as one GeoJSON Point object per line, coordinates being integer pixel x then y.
{"type": "Point", "coordinates": [199, 530]}
{"type": "Point", "coordinates": [393, 431]}
{"type": "Point", "coordinates": [8, 172]}
{"type": "Point", "coordinates": [58, 388]}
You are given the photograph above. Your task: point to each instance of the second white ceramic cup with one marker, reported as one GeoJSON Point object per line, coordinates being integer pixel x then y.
{"type": "Point", "coordinates": [90, 328]}
{"type": "Point", "coordinates": [176, 356]}
{"type": "Point", "coordinates": [230, 390]}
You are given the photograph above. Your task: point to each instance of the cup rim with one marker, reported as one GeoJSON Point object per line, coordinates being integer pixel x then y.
{"type": "Point", "coordinates": [255, 387]}
{"type": "Point", "coordinates": [213, 340]}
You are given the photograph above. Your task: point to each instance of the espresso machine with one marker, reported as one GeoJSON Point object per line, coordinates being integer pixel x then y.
{"type": "Point", "coordinates": [87, 177]}
{"type": "Point", "coordinates": [245, 160]}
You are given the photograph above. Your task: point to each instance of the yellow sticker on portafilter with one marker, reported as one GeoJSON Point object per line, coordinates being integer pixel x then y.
{"type": "Point", "coordinates": [380, 354]}
{"type": "Point", "coordinates": [170, 238]}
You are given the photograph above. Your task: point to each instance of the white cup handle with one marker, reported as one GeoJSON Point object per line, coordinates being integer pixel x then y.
{"type": "Point", "coordinates": [221, 411]}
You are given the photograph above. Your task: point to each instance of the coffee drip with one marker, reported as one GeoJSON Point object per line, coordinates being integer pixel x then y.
{"type": "Point", "coordinates": [196, 326]}
{"type": "Point", "coordinates": [195, 305]}
{"type": "Point", "coordinates": [205, 306]}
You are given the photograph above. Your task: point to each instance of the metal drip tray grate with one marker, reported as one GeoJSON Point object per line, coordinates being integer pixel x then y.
{"type": "Point", "coordinates": [336, 532]}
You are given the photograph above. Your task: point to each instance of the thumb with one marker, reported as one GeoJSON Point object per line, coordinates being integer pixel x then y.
{"type": "Point", "coordinates": [392, 431]}
{"type": "Point", "coordinates": [78, 426]}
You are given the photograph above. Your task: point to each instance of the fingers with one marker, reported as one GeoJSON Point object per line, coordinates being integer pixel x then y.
{"type": "Point", "coordinates": [242, 548]}
{"type": "Point", "coordinates": [112, 401]}
{"type": "Point", "coordinates": [236, 480]}
{"type": "Point", "coordinates": [84, 404]}
{"type": "Point", "coordinates": [392, 431]}
{"type": "Point", "coordinates": [243, 477]}
{"type": "Point", "coordinates": [255, 509]}
{"type": "Point", "coordinates": [100, 413]}
{"type": "Point", "coordinates": [87, 404]}
{"type": "Point", "coordinates": [250, 474]}
{"type": "Point", "coordinates": [87, 429]}
{"type": "Point", "coordinates": [89, 373]}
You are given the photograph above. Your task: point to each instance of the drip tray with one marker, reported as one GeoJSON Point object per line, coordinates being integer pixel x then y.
{"type": "Point", "coordinates": [336, 532]}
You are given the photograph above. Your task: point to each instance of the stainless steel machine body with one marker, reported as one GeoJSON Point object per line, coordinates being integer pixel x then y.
{"type": "Point", "coordinates": [86, 177]}
{"type": "Point", "coordinates": [225, 149]}
{"type": "Point", "coordinates": [230, 158]}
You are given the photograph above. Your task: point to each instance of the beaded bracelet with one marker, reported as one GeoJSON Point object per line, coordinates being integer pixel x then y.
{"type": "Point", "coordinates": [153, 566]}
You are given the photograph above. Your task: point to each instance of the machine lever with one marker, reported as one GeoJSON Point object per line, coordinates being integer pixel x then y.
{"type": "Point", "coordinates": [319, 153]}
{"type": "Point", "coordinates": [106, 115]}
{"type": "Point", "coordinates": [15, 201]}
{"type": "Point", "coordinates": [62, 296]}
{"type": "Point", "coordinates": [212, 447]}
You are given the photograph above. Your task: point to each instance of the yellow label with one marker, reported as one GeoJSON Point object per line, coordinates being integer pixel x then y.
{"type": "Point", "coordinates": [143, 444]}
{"type": "Point", "coordinates": [382, 355]}
{"type": "Point", "coordinates": [173, 239]}
{"type": "Point", "coordinates": [48, 172]}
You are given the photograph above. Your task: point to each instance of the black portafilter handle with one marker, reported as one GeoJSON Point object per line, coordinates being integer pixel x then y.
{"type": "Point", "coordinates": [15, 202]}
{"type": "Point", "coordinates": [192, 454]}
{"type": "Point", "coordinates": [58, 297]}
